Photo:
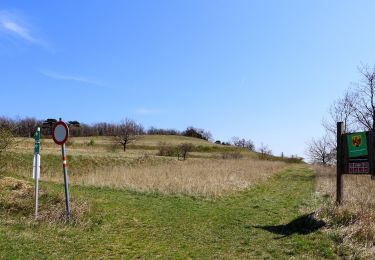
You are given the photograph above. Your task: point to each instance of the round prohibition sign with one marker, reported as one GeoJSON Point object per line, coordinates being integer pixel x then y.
{"type": "Point", "coordinates": [60, 133]}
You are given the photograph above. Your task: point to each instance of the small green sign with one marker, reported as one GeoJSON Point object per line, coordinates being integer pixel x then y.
{"type": "Point", "coordinates": [36, 148]}
{"type": "Point", "coordinates": [357, 144]}
{"type": "Point", "coordinates": [37, 141]}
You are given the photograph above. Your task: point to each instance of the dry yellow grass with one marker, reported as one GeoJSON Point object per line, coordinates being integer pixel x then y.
{"type": "Point", "coordinates": [355, 218]}
{"type": "Point", "coordinates": [203, 174]}
{"type": "Point", "coordinates": [196, 177]}
{"type": "Point", "coordinates": [17, 198]}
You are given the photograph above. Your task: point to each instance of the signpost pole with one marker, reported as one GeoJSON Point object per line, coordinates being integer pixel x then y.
{"type": "Point", "coordinates": [36, 185]}
{"type": "Point", "coordinates": [36, 170]}
{"type": "Point", "coordinates": [60, 134]}
{"type": "Point", "coordinates": [65, 183]}
{"type": "Point", "coordinates": [339, 159]}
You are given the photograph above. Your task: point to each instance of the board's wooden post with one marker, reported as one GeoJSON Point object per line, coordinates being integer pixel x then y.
{"type": "Point", "coordinates": [371, 152]}
{"type": "Point", "coordinates": [340, 163]}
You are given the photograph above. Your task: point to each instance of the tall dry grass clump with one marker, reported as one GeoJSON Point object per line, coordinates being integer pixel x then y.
{"type": "Point", "coordinates": [17, 199]}
{"type": "Point", "coordinates": [196, 177]}
{"type": "Point", "coordinates": [354, 220]}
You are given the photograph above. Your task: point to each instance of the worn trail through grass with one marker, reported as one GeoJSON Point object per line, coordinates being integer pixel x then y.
{"type": "Point", "coordinates": [262, 222]}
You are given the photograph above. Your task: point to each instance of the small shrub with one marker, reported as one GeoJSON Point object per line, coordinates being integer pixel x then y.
{"type": "Point", "coordinates": [265, 153]}
{"type": "Point", "coordinates": [231, 155]}
{"type": "Point", "coordinates": [91, 143]}
{"type": "Point", "coordinates": [167, 150]}
{"type": "Point", "coordinates": [293, 159]}
{"type": "Point", "coordinates": [184, 149]}
{"type": "Point", "coordinates": [144, 158]}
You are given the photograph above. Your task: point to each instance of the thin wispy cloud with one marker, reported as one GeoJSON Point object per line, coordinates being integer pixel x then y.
{"type": "Point", "coordinates": [71, 77]}
{"type": "Point", "coordinates": [16, 25]}
{"type": "Point", "coordinates": [148, 111]}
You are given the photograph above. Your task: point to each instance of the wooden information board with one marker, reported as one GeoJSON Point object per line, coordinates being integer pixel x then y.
{"type": "Point", "coordinates": [355, 155]}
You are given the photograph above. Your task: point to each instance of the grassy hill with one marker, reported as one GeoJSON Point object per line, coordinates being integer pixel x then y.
{"type": "Point", "coordinates": [140, 205]}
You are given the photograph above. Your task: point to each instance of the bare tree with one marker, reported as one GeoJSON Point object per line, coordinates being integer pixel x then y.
{"type": "Point", "coordinates": [320, 151]}
{"type": "Point", "coordinates": [364, 105]}
{"type": "Point", "coordinates": [184, 149]}
{"type": "Point", "coordinates": [26, 127]}
{"type": "Point", "coordinates": [235, 140]}
{"type": "Point", "coordinates": [239, 142]}
{"type": "Point", "coordinates": [264, 151]}
{"type": "Point", "coordinates": [356, 109]}
{"type": "Point", "coordinates": [127, 132]}
{"type": "Point", "coordinates": [6, 139]}
{"type": "Point", "coordinates": [342, 110]}
{"type": "Point", "coordinates": [242, 142]}
{"type": "Point", "coordinates": [250, 145]}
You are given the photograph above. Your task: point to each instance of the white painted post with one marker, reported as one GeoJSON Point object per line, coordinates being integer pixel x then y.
{"type": "Point", "coordinates": [36, 169]}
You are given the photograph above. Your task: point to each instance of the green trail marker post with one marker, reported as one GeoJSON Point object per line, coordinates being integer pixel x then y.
{"type": "Point", "coordinates": [36, 169]}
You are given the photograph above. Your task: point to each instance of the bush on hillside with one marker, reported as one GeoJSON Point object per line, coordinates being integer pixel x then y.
{"type": "Point", "coordinates": [197, 133]}
{"type": "Point", "coordinates": [231, 155]}
{"type": "Point", "coordinates": [91, 143]}
{"type": "Point", "coordinates": [167, 150]}
{"type": "Point", "coordinates": [184, 149]}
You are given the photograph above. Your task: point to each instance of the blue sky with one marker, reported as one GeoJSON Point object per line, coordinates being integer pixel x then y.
{"type": "Point", "coordinates": [263, 70]}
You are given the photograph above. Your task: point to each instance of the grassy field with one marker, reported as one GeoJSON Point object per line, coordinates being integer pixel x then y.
{"type": "Point", "coordinates": [352, 223]}
{"type": "Point", "coordinates": [267, 221]}
{"type": "Point", "coordinates": [139, 205]}
{"type": "Point", "coordinates": [205, 173]}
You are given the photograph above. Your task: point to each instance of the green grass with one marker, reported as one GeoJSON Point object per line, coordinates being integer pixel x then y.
{"type": "Point", "coordinates": [132, 225]}
{"type": "Point", "coordinates": [144, 142]}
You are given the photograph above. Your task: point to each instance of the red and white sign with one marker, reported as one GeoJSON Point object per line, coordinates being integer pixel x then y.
{"type": "Point", "coordinates": [359, 167]}
{"type": "Point", "coordinates": [60, 133]}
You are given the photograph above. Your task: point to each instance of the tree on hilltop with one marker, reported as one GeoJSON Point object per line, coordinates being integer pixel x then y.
{"type": "Point", "coordinates": [127, 132]}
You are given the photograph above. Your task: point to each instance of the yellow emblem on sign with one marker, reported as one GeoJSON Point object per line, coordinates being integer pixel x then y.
{"type": "Point", "coordinates": [356, 140]}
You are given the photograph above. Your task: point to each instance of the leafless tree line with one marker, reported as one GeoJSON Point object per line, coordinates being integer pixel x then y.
{"type": "Point", "coordinates": [356, 109]}
{"type": "Point", "coordinates": [123, 133]}
{"type": "Point", "coordinates": [25, 127]}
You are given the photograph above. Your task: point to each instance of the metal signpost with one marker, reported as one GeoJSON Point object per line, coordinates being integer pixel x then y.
{"type": "Point", "coordinates": [36, 168]}
{"type": "Point", "coordinates": [355, 155]}
{"type": "Point", "coordinates": [60, 134]}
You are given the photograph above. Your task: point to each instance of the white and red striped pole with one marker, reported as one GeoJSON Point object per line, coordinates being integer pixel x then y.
{"type": "Point", "coordinates": [60, 134]}
{"type": "Point", "coordinates": [65, 168]}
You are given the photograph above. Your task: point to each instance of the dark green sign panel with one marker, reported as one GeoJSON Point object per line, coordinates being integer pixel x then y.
{"type": "Point", "coordinates": [36, 148]}
{"type": "Point", "coordinates": [357, 144]}
{"type": "Point", "coordinates": [37, 135]}
{"type": "Point", "coordinates": [37, 141]}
